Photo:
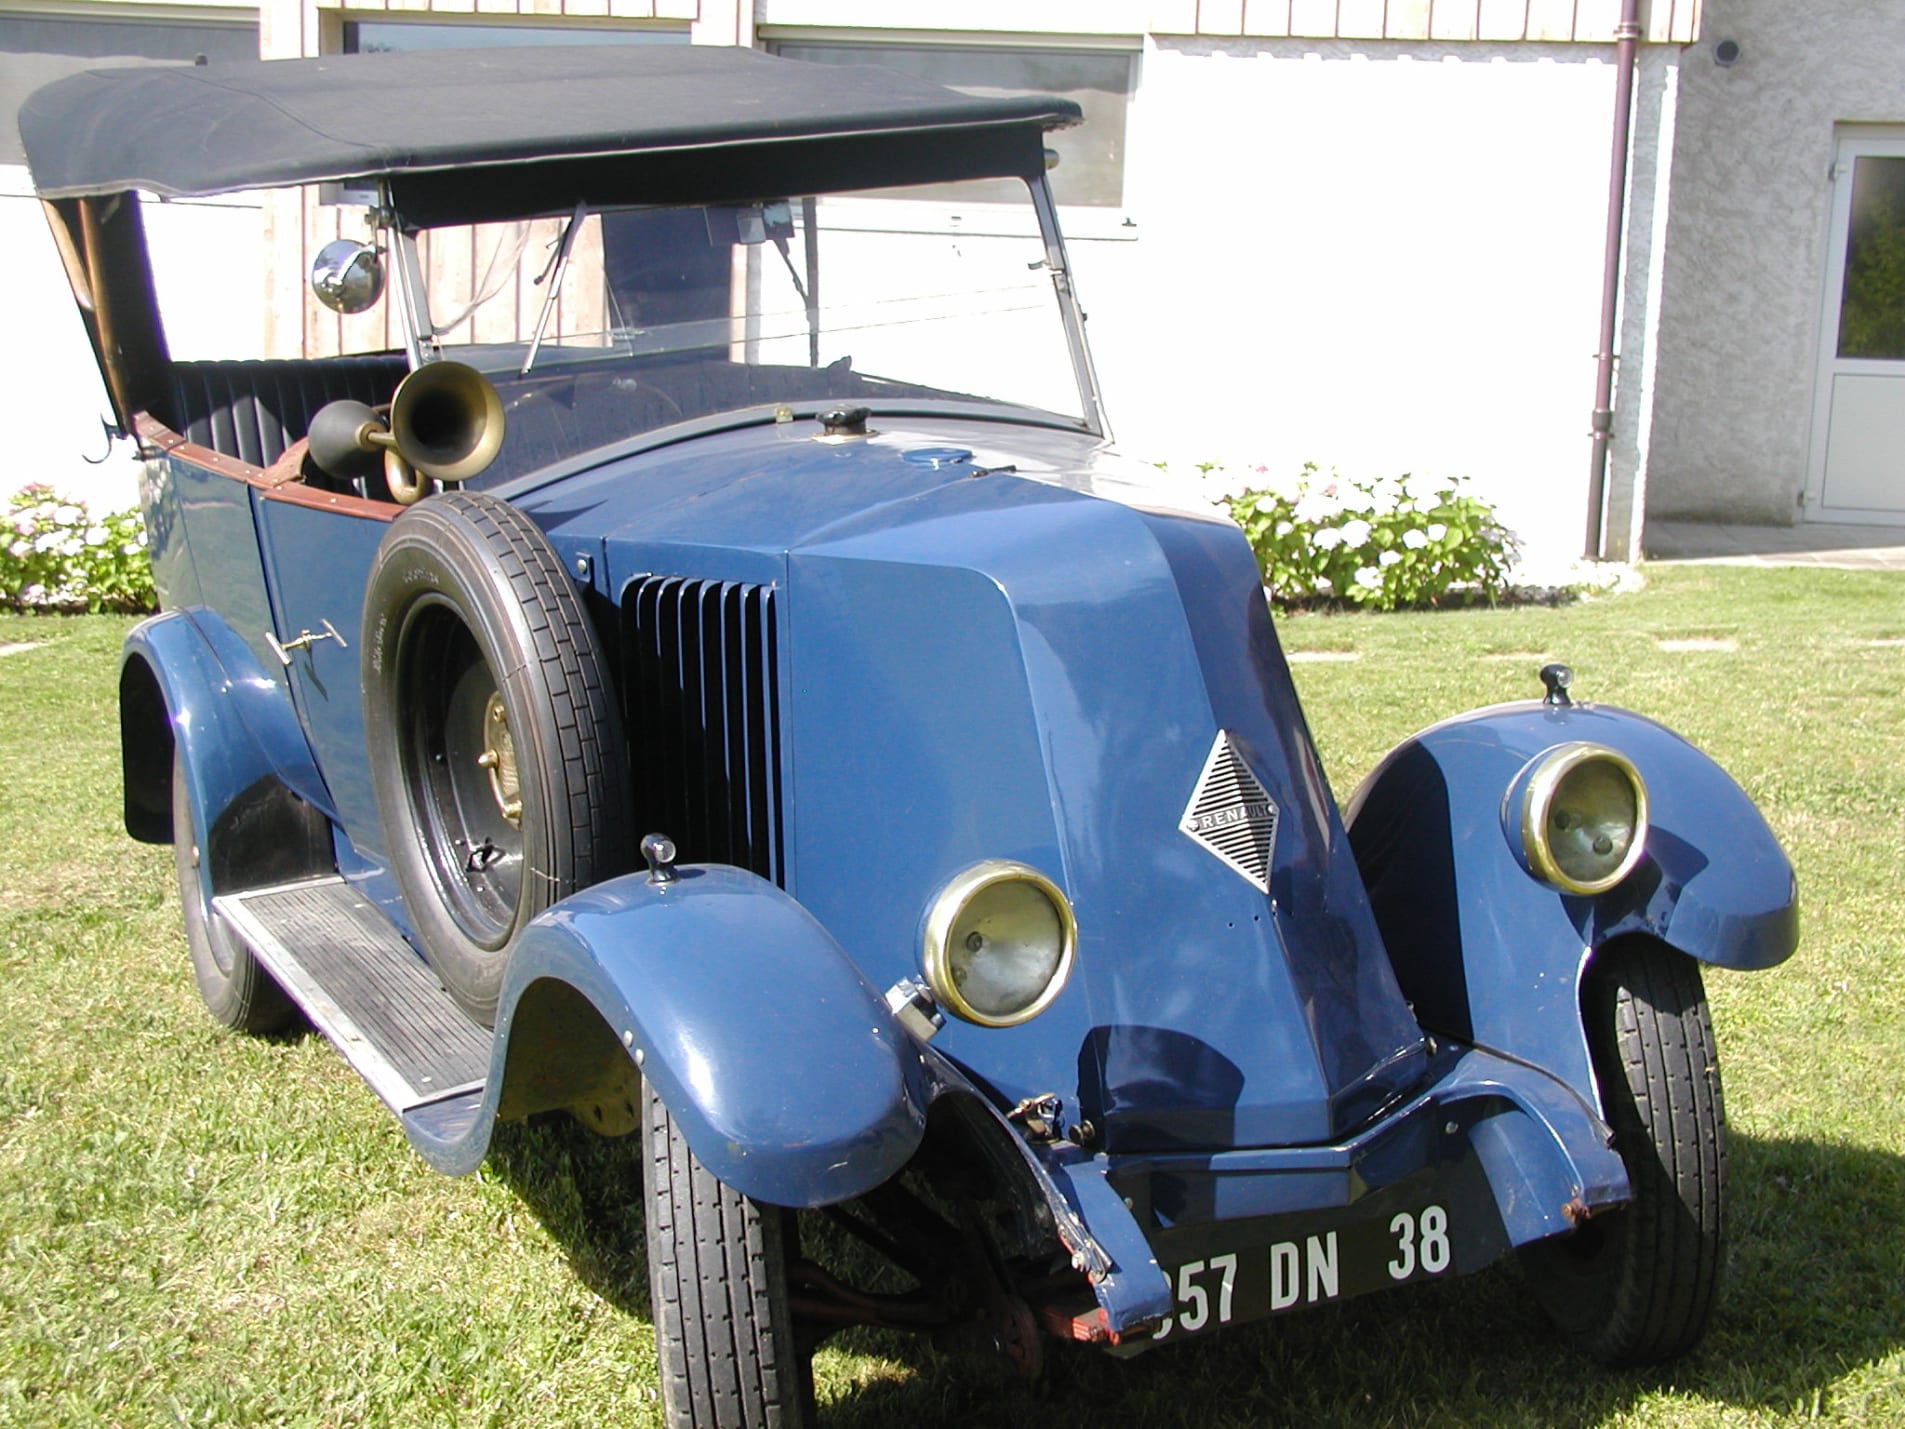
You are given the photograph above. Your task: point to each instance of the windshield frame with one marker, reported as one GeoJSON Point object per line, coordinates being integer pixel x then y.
{"type": "Point", "coordinates": [422, 343]}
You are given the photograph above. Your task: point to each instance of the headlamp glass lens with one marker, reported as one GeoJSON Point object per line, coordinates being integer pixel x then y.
{"type": "Point", "coordinates": [1005, 948]}
{"type": "Point", "coordinates": [997, 943]}
{"type": "Point", "coordinates": [1591, 821]}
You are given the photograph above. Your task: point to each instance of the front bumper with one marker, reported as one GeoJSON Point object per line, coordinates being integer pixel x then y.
{"type": "Point", "coordinates": [1492, 1154]}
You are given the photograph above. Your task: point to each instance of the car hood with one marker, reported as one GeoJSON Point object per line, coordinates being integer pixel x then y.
{"type": "Point", "coordinates": [1001, 642]}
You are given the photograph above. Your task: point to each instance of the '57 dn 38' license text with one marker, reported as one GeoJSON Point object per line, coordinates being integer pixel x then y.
{"type": "Point", "coordinates": [682, 651]}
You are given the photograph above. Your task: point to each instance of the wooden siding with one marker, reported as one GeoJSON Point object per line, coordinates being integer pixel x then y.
{"type": "Point", "coordinates": [306, 27]}
{"type": "Point", "coordinates": [297, 225]}
{"type": "Point", "coordinates": [1563, 21]}
{"type": "Point", "coordinates": [292, 28]}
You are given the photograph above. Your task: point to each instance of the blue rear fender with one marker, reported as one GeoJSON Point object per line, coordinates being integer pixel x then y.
{"type": "Point", "coordinates": [188, 683]}
{"type": "Point", "coordinates": [778, 1061]}
{"type": "Point", "coordinates": [1489, 955]}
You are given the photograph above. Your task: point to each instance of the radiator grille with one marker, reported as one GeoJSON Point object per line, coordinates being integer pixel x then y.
{"type": "Point", "coordinates": [700, 662]}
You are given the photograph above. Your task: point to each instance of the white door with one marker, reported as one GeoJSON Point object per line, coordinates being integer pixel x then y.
{"type": "Point", "coordinates": [1857, 471]}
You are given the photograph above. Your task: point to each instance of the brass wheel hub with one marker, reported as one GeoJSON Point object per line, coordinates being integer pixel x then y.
{"type": "Point", "coordinates": [498, 760]}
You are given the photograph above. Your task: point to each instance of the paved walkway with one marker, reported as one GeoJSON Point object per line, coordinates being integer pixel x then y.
{"type": "Point", "coordinates": [1855, 548]}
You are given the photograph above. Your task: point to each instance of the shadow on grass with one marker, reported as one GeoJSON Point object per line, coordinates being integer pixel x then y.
{"type": "Point", "coordinates": [1818, 1249]}
{"type": "Point", "coordinates": [587, 1191]}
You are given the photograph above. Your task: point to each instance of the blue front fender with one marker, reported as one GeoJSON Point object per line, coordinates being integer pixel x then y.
{"type": "Point", "coordinates": [781, 1065]}
{"type": "Point", "coordinates": [1489, 955]}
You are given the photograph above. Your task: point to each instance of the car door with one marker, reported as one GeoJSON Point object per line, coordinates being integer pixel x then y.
{"type": "Point", "coordinates": [318, 549]}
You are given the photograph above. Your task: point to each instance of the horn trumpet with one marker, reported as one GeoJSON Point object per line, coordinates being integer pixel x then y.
{"type": "Point", "coordinates": [445, 424]}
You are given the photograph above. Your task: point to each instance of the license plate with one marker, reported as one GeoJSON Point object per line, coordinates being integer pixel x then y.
{"type": "Point", "coordinates": [1310, 1267]}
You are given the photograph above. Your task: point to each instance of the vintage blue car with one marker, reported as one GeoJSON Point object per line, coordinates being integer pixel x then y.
{"type": "Point", "coordinates": [690, 659]}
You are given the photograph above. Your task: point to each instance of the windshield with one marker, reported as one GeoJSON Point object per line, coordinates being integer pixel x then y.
{"type": "Point", "coordinates": [609, 323]}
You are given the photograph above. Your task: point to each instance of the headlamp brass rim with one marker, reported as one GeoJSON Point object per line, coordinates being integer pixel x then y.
{"type": "Point", "coordinates": [944, 911]}
{"type": "Point", "coordinates": [1543, 783]}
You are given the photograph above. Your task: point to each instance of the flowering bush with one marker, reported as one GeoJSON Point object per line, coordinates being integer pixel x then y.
{"type": "Point", "coordinates": [54, 556]}
{"type": "Point", "coordinates": [1322, 538]}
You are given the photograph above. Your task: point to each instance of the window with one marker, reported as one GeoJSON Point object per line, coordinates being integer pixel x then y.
{"type": "Point", "coordinates": [1872, 307]}
{"type": "Point", "coordinates": [1090, 172]}
{"type": "Point", "coordinates": [38, 49]}
{"type": "Point", "coordinates": [370, 36]}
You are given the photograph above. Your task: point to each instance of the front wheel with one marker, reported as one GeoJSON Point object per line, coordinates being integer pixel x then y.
{"type": "Point", "coordinates": [725, 1342]}
{"type": "Point", "coordinates": [1637, 1285]}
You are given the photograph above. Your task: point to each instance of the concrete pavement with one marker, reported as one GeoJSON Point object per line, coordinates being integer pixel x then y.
{"type": "Point", "coordinates": [1858, 548]}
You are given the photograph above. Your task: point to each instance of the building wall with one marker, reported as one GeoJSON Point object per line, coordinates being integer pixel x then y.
{"type": "Point", "coordinates": [1363, 234]}
{"type": "Point", "coordinates": [1360, 232]}
{"type": "Point", "coordinates": [1576, 21]}
{"type": "Point", "coordinates": [51, 397]}
{"type": "Point", "coordinates": [1643, 262]}
{"type": "Point", "coordinates": [1388, 261]}
{"type": "Point", "coordinates": [1746, 247]}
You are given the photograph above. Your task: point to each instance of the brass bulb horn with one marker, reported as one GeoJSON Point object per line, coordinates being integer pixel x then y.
{"type": "Point", "coordinates": [445, 424]}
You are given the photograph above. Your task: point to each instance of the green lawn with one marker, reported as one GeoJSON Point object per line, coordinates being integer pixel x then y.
{"type": "Point", "coordinates": [197, 1228]}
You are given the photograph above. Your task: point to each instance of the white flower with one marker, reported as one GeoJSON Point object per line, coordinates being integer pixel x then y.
{"type": "Point", "coordinates": [131, 548]}
{"type": "Point", "coordinates": [47, 542]}
{"type": "Point", "coordinates": [1324, 583]}
{"type": "Point", "coordinates": [1385, 493]}
{"type": "Point", "coordinates": [1414, 540]}
{"type": "Point", "coordinates": [1369, 578]}
{"type": "Point", "coordinates": [1356, 533]}
{"type": "Point", "coordinates": [70, 515]}
{"type": "Point", "coordinates": [1316, 508]}
{"type": "Point", "coordinates": [18, 550]}
{"type": "Point", "coordinates": [23, 525]}
{"type": "Point", "coordinates": [95, 535]}
{"type": "Point", "coordinates": [1437, 531]}
{"type": "Point", "coordinates": [71, 546]}
{"type": "Point", "coordinates": [1389, 558]}
{"type": "Point", "coordinates": [1287, 487]}
{"type": "Point", "coordinates": [1328, 539]}
{"type": "Point", "coordinates": [1284, 528]}
{"type": "Point", "coordinates": [1268, 502]}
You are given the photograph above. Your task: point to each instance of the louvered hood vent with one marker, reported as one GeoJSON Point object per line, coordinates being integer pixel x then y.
{"type": "Point", "coordinates": [1232, 814]}
{"type": "Point", "coordinates": [700, 666]}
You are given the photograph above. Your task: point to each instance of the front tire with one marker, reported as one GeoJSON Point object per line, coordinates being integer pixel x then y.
{"type": "Point", "coordinates": [725, 1340]}
{"type": "Point", "coordinates": [1637, 1285]}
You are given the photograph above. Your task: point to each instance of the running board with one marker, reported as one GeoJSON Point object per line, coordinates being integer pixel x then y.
{"type": "Point", "coordinates": [363, 987]}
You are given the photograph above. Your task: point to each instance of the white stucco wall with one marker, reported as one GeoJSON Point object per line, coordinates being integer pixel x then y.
{"type": "Point", "coordinates": [210, 265]}
{"type": "Point", "coordinates": [1746, 246]}
{"type": "Point", "coordinates": [1643, 264]}
{"type": "Point", "coordinates": [1375, 255]}
{"type": "Point", "coordinates": [51, 389]}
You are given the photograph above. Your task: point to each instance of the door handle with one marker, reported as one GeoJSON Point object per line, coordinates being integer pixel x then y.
{"type": "Point", "coordinates": [304, 640]}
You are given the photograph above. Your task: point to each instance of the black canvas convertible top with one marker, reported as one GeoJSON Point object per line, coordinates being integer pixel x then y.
{"type": "Point", "coordinates": [663, 123]}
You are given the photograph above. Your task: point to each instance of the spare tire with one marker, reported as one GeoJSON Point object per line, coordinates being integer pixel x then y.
{"type": "Point", "coordinates": [491, 734]}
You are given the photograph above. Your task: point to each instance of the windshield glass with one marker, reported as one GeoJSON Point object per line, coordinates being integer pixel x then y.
{"type": "Point", "coordinates": [609, 323]}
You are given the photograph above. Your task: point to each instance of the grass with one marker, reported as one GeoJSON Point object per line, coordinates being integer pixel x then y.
{"type": "Point", "coordinates": [197, 1228]}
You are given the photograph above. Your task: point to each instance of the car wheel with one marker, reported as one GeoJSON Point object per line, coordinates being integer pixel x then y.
{"type": "Point", "coordinates": [235, 986]}
{"type": "Point", "coordinates": [726, 1345]}
{"type": "Point", "coordinates": [1636, 1285]}
{"type": "Point", "coordinates": [490, 732]}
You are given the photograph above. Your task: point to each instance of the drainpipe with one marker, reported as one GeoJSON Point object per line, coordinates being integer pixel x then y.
{"type": "Point", "coordinates": [1626, 53]}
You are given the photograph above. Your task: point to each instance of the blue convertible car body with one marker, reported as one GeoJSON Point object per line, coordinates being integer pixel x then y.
{"type": "Point", "coordinates": [737, 695]}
